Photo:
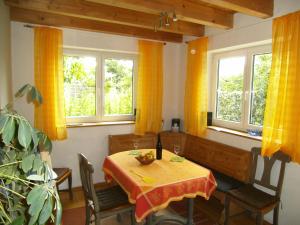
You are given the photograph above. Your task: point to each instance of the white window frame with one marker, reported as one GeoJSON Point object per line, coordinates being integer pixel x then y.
{"type": "Point", "coordinates": [248, 53]}
{"type": "Point", "coordinates": [115, 55]}
{"type": "Point", "coordinates": [100, 56]}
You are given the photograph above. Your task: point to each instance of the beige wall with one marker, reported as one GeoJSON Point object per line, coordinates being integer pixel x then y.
{"type": "Point", "coordinates": [5, 60]}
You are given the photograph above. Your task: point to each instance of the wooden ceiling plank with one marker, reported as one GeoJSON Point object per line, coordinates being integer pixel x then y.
{"type": "Point", "coordinates": [51, 19]}
{"type": "Point", "coordinates": [258, 8]}
{"type": "Point", "coordinates": [107, 14]}
{"type": "Point", "coordinates": [186, 10]}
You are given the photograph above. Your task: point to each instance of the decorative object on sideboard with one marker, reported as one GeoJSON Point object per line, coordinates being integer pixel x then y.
{"type": "Point", "coordinates": [209, 118]}
{"type": "Point", "coordinates": [175, 127]}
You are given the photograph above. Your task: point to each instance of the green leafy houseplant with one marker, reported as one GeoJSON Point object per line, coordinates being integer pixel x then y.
{"type": "Point", "coordinates": [27, 190]}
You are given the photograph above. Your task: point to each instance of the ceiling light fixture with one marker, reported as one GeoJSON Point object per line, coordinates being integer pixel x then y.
{"type": "Point", "coordinates": [167, 23]}
{"type": "Point", "coordinates": [164, 20]}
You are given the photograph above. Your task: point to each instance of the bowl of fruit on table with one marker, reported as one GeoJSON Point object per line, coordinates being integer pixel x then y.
{"type": "Point", "coordinates": [146, 158]}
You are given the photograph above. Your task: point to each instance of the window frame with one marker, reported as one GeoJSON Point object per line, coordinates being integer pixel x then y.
{"type": "Point", "coordinates": [249, 54]}
{"type": "Point", "coordinates": [100, 56]}
{"type": "Point", "coordinates": [116, 55]}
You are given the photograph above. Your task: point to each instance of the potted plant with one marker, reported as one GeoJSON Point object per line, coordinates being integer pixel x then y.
{"type": "Point", "coordinates": [27, 190]}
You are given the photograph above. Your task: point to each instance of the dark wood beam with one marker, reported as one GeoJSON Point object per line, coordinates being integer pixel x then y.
{"type": "Point", "coordinates": [185, 9]}
{"type": "Point", "coordinates": [51, 19]}
{"type": "Point", "coordinates": [107, 13]}
{"type": "Point", "coordinates": [258, 8]}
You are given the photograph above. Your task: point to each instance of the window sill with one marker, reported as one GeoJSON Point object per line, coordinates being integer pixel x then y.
{"type": "Point", "coordinates": [234, 132]}
{"type": "Point", "coordinates": [76, 125]}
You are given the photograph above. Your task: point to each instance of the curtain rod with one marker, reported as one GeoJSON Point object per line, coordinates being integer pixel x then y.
{"type": "Point", "coordinates": [29, 26]}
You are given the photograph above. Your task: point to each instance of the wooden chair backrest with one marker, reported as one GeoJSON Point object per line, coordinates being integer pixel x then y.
{"type": "Point", "coordinates": [86, 175]}
{"type": "Point", "coordinates": [124, 142]}
{"type": "Point", "coordinates": [231, 161]}
{"type": "Point", "coordinates": [265, 180]}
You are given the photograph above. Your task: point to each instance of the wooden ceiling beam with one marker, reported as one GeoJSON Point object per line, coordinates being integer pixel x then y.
{"type": "Point", "coordinates": [258, 8]}
{"type": "Point", "coordinates": [107, 13]}
{"type": "Point", "coordinates": [51, 19]}
{"type": "Point", "coordinates": [185, 9]}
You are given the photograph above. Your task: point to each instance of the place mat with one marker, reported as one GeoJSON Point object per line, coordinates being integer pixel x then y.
{"type": "Point", "coordinates": [134, 152]}
{"type": "Point", "coordinates": [177, 159]}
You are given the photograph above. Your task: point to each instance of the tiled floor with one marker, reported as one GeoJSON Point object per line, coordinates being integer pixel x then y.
{"type": "Point", "coordinates": [78, 202]}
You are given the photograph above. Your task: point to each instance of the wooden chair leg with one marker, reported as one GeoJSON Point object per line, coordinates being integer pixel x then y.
{"type": "Point", "coordinates": [87, 215]}
{"type": "Point", "coordinates": [133, 222]}
{"type": "Point", "coordinates": [276, 215]}
{"type": "Point", "coordinates": [70, 186]}
{"type": "Point", "coordinates": [259, 219]}
{"type": "Point", "coordinates": [227, 207]}
{"type": "Point", "coordinates": [97, 219]}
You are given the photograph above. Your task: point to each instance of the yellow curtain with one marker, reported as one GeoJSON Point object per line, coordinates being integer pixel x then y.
{"type": "Point", "coordinates": [149, 87]}
{"type": "Point", "coordinates": [49, 117]}
{"type": "Point", "coordinates": [195, 101]}
{"type": "Point", "coordinates": [282, 114]}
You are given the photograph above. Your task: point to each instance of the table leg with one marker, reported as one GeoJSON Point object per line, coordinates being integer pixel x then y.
{"type": "Point", "coordinates": [190, 211]}
{"type": "Point", "coordinates": [149, 219]}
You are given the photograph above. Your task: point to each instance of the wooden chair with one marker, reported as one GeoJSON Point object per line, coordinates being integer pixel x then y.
{"type": "Point", "coordinates": [62, 175]}
{"type": "Point", "coordinates": [255, 200]}
{"type": "Point", "coordinates": [101, 203]}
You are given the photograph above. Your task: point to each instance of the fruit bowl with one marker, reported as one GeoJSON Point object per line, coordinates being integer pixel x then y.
{"type": "Point", "coordinates": [146, 159]}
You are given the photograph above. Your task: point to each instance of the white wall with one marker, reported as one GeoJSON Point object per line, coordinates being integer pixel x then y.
{"type": "Point", "coordinates": [5, 59]}
{"type": "Point", "coordinates": [92, 141]}
{"type": "Point", "coordinates": [248, 30]}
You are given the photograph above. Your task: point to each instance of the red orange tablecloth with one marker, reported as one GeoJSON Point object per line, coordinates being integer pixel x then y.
{"type": "Point", "coordinates": [171, 181]}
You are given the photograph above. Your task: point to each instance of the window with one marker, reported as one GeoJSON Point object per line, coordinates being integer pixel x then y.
{"type": "Point", "coordinates": [99, 86]}
{"type": "Point", "coordinates": [240, 87]}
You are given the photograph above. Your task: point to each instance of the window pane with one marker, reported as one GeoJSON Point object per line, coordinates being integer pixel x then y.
{"type": "Point", "coordinates": [261, 70]}
{"type": "Point", "coordinates": [230, 88]}
{"type": "Point", "coordinates": [80, 85]}
{"type": "Point", "coordinates": [118, 87]}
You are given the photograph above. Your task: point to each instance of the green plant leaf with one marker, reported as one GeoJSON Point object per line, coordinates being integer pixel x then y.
{"type": "Point", "coordinates": [37, 164]}
{"type": "Point", "coordinates": [35, 138]}
{"type": "Point", "coordinates": [23, 90]}
{"type": "Point", "coordinates": [3, 120]}
{"type": "Point", "coordinates": [9, 130]}
{"type": "Point", "coordinates": [45, 143]}
{"type": "Point", "coordinates": [27, 163]}
{"type": "Point", "coordinates": [46, 211]}
{"type": "Point", "coordinates": [33, 194]}
{"type": "Point", "coordinates": [35, 177]}
{"type": "Point", "coordinates": [20, 220]}
{"type": "Point", "coordinates": [33, 219]}
{"type": "Point", "coordinates": [58, 210]}
{"type": "Point", "coordinates": [39, 98]}
{"type": "Point", "coordinates": [34, 96]}
{"type": "Point", "coordinates": [24, 133]}
{"type": "Point", "coordinates": [39, 200]}
{"type": "Point", "coordinates": [31, 96]}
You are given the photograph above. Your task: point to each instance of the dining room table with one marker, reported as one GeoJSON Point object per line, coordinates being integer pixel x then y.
{"type": "Point", "coordinates": [152, 187]}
